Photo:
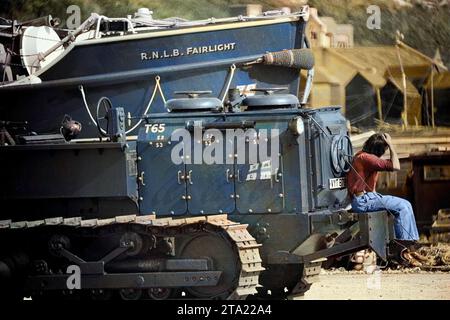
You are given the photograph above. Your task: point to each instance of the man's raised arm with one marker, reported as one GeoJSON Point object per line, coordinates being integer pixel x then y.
{"type": "Point", "coordinates": [394, 156]}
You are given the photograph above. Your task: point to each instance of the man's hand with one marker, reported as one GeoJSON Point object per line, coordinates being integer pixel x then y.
{"type": "Point", "coordinates": [394, 156]}
{"type": "Point", "coordinates": [387, 138]}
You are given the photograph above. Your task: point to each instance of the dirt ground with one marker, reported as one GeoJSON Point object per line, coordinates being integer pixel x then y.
{"type": "Point", "coordinates": [386, 285]}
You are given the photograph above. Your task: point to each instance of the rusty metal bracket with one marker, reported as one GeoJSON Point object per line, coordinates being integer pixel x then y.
{"type": "Point", "coordinates": [375, 231]}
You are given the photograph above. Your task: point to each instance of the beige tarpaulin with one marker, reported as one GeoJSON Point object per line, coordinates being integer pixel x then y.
{"type": "Point", "coordinates": [337, 67]}
{"type": "Point", "coordinates": [414, 99]}
{"type": "Point", "coordinates": [441, 81]}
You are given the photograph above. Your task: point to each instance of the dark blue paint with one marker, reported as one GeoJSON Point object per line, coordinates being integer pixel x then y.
{"type": "Point", "coordinates": [115, 70]}
{"type": "Point", "coordinates": [208, 191]}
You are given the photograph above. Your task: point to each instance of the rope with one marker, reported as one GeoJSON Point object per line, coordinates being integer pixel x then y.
{"type": "Point", "coordinates": [157, 78]}
{"type": "Point", "coordinates": [81, 88]}
{"type": "Point", "coordinates": [230, 79]}
{"type": "Point", "coordinates": [147, 109]}
{"type": "Point", "coordinates": [40, 38]}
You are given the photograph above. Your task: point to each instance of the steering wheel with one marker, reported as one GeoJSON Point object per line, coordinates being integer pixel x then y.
{"type": "Point", "coordinates": [341, 153]}
{"type": "Point", "coordinates": [101, 115]}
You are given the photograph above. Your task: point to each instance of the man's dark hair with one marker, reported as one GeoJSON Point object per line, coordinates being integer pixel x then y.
{"type": "Point", "coordinates": [375, 145]}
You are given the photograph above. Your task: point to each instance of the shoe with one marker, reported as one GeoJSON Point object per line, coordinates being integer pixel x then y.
{"type": "Point", "coordinates": [411, 245]}
{"type": "Point", "coordinates": [398, 253]}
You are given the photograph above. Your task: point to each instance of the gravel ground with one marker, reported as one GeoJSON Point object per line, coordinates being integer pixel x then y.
{"type": "Point", "coordinates": [384, 285]}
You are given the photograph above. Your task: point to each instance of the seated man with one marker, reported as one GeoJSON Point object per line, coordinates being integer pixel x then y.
{"type": "Point", "coordinates": [362, 180]}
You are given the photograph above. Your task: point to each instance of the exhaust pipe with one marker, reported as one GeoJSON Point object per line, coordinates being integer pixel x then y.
{"type": "Point", "coordinates": [295, 58]}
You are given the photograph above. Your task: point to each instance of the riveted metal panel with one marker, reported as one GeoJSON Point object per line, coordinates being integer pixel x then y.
{"type": "Point", "coordinates": [162, 189]}
{"type": "Point", "coordinates": [259, 186]}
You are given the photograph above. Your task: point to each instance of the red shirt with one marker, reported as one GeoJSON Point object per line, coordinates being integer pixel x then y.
{"type": "Point", "coordinates": [366, 166]}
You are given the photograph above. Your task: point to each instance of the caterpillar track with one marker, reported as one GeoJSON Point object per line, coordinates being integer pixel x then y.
{"type": "Point", "coordinates": [148, 251]}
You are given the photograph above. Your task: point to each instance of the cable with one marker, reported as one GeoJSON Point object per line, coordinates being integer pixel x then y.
{"type": "Point", "coordinates": [393, 99]}
{"type": "Point", "coordinates": [40, 38]}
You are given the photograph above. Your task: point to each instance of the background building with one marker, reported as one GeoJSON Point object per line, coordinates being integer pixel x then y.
{"type": "Point", "coordinates": [368, 81]}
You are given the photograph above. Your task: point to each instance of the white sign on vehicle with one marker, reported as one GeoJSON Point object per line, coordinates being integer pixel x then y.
{"type": "Point", "coordinates": [338, 183]}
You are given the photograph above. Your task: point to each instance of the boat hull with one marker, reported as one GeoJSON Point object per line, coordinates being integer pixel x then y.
{"type": "Point", "coordinates": [125, 69]}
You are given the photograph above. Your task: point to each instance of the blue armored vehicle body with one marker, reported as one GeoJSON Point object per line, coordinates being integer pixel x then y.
{"type": "Point", "coordinates": [218, 197]}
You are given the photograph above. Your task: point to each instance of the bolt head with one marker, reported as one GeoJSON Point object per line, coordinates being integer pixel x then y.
{"type": "Point", "coordinates": [140, 280]}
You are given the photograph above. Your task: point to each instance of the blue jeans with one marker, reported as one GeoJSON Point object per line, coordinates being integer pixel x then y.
{"type": "Point", "coordinates": [404, 221]}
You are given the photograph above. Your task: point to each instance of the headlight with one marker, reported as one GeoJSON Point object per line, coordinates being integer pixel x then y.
{"type": "Point", "coordinates": [296, 126]}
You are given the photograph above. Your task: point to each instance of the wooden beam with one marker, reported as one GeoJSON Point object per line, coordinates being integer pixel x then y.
{"type": "Point", "coordinates": [380, 108]}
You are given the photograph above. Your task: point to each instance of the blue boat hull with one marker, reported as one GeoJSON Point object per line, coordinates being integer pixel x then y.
{"type": "Point", "coordinates": [125, 69]}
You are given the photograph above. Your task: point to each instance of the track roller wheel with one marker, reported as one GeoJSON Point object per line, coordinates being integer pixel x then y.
{"type": "Point", "coordinates": [222, 256]}
{"type": "Point", "coordinates": [130, 294]}
{"type": "Point", "coordinates": [159, 293]}
{"type": "Point", "coordinates": [101, 294]}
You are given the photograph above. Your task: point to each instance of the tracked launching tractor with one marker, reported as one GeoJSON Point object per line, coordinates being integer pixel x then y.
{"type": "Point", "coordinates": [234, 191]}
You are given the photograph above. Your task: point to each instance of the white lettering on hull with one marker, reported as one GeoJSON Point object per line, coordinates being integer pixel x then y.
{"type": "Point", "coordinates": [189, 51]}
